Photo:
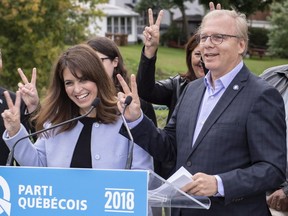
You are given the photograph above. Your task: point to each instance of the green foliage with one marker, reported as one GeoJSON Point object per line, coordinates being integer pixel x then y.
{"type": "Point", "coordinates": [247, 7]}
{"type": "Point", "coordinates": [279, 33]}
{"type": "Point", "coordinates": [173, 34]}
{"type": "Point", "coordinates": [258, 37]}
{"type": "Point", "coordinates": [34, 32]}
{"type": "Point", "coordinates": [142, 6]}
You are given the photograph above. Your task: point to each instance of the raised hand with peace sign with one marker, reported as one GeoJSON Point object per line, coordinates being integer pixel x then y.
{"type": "Point", "coordinates": [11, 116]}
{"type": "Point", "coordinates": [28, 90]}
{"type": "Point", "coordinates": [151, 34]}
{"type": "Point", "coordinates": [133, 111]}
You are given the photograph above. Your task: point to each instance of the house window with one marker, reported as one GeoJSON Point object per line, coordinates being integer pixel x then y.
{"type": "Point", "coordinates": [129, 25]}
{"type": "Point", "coordinates": [116, 25]}
{"type": "Point", "coordinates": [109, 24]}
{"type": "Point", "coordinates": [121, 25]}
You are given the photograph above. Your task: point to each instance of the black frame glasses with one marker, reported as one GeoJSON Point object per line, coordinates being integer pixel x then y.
{"type": "Point", "coordinates": [215, 39]}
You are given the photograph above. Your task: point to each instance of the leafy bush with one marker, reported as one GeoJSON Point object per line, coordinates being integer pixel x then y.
{"type": "Point", "coordinates": [258, 37]}
{"type": "Point", "coordinates": [173, 37]}
{"type": "Point", "coordinates": [278, 43]}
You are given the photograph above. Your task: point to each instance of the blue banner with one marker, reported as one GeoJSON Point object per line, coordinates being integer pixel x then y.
{"type": "Point", "coordinates": [72, 192]}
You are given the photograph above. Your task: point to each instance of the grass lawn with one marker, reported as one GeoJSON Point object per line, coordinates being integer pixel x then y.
{"type": "Point", "coordinates": [171, 61]}
{"type": "Point", "coordinates": [258, 65]}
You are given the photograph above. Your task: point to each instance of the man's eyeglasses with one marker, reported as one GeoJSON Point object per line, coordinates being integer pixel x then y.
{"type": "Point", "coordinates": [104, 58]}
{"type": "Point", "coordinates": [215, 39]}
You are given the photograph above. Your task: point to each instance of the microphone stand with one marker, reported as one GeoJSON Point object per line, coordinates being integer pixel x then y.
{"type": "Point", "coordinates": [11, 153]}
{"type": "Point", "coordinates": [131, 142]}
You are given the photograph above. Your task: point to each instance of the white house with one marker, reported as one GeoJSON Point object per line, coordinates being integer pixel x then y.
{"type": "Point", "coordinates": [119, 22]}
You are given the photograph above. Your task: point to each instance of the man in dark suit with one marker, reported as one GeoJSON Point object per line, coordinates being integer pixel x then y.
{"type": "Point", "coordinates": [30, 102]}
{"type": "Point", "coordinates": [228, 128]}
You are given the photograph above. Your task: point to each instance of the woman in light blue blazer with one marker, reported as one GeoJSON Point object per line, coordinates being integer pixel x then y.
{"type": "Point", "coordinates": [90, 142]}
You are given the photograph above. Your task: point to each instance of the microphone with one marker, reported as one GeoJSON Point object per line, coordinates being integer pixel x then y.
{"type": "Point", "coordinates": [11, 153]}
{"type": "Point", "coordinates": [131, 143]}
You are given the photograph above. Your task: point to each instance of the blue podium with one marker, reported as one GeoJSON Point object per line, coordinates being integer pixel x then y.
{"type": "Point", "coordinates": [35, 191]}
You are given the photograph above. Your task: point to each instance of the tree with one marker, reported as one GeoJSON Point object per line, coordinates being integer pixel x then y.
{"type": "Point", "coordinates": [34, 32]}
{"type": "Point", "coordinates": [279, 32]}
{"type": "Point", "coordinates": [247, 7]}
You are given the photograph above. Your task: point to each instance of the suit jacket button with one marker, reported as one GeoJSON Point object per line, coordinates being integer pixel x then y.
{"type": "Point", "coordinates": [188, 163]}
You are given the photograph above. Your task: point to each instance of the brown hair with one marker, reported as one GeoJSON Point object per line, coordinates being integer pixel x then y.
{"type": "Point", "coordinates": [57, 106]}
{"type": "Point", "coordinates": [192, 43]}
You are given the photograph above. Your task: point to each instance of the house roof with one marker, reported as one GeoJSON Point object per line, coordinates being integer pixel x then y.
{"type": "Point", "coordinates": [113, 10]}
{"type": "Point", "coordinates": [191, 9]}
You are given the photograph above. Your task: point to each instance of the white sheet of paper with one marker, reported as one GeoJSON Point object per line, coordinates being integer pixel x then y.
{"type": "Point", "coordinates": [180, 178]}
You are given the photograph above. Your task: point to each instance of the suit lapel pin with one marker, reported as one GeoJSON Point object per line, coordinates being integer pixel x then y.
{"type": "Point", "coordinates": [236, 87]}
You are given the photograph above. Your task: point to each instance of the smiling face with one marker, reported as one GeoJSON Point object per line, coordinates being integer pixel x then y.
{"type": "Point", "coordinates": [221, 58]}
{"type": "Point", "coordinates": [196, 62]}
{"type": "Point", "coordinates": [81, 92]}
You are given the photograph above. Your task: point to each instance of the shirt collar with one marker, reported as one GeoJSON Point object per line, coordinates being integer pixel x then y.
{"type": "Point", "coordinates": [224, 80]}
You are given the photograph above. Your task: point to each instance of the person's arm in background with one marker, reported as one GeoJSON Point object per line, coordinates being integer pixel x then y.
{"type": "Point", "coordinates": [148, 88]}
{"type": "Point", "coordinates": [30, 98]}
{"type": "Point", "coordinates": [151, 34]}
{"type": "Point", "coordinates": [28, 91]}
